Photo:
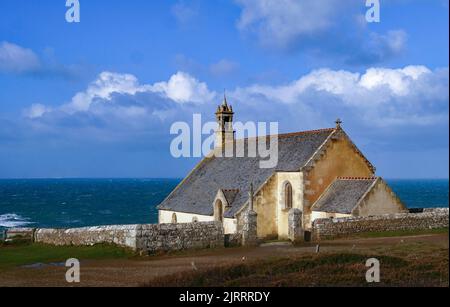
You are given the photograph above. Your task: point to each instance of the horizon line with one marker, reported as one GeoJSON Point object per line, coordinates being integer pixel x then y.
{"type": "Point", "coordinates": [166, 178]}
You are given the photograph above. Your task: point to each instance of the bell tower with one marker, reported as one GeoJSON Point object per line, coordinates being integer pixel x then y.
{"type": "Point", "coordinates": [224, 116]}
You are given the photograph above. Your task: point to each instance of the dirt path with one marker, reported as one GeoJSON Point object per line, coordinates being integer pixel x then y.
{"type": "Point", "coordinates": [133, 272]}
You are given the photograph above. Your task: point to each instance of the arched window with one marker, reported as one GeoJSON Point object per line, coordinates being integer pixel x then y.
{"type": "Point", "coordinates": [174, 218]}
{"type": "Point", "coordinates": [288, 196]}
{"type": "Point", "coordinates": [219, 211]}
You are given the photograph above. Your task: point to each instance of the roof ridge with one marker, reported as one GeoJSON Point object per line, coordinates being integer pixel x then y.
{"type": "Point", "coordinates": [306, 132]}
{"type": "Point", "coordinates": [357, 178]}
{"type": "Point", "coordinates": [289, 134]}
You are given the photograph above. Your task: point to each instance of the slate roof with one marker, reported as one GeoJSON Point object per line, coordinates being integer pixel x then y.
{"type": "Point", "coordinates": [343, 195]}
{"type": "Point", "coordinates": [230, 195]}
{"type": "Point", "coordinates": [196, 193]}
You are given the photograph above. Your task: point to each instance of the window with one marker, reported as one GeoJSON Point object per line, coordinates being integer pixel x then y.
{"type": "Point", "coordinates": [174, 218]}
{"type": "Point", "coordinates": [288, 196]}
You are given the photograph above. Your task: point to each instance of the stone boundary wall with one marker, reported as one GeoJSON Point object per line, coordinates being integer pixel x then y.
{"type": "Point", "coordinates": [332, 228]}
{"type": "Point", "coordinates": [148, 238]}
{"type": "Point", "coordinates": [175, 237]}
{"type": "Point", "coordinates": [3, 234]}
{"type": "Point", "coordinates": [124, 236]}
{"type": "Point", "coordinates": [19, 234]}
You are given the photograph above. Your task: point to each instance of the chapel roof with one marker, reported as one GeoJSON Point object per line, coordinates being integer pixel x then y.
{"type": "Point", "coordinates": [344, 194]}
{"type": "Point", "coordinates": [196, 193]}
{"type": "Point", "coordinates": [230, 195]}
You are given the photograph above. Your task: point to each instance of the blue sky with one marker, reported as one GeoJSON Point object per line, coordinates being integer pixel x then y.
{"type": "Point", "coordinates": [97, 98]}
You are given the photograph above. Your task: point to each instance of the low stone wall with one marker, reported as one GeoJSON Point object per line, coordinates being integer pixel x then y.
{"type": "Point", "coordinates": [19, 234]}
{"type": "Point", "coordinates": [331, 228]}
{"type": "Point", "coordinates": [120, 235]}
{"type": "Point", "coordinates": [174, 237]}
{"type": "Point", "coordinates": [148, 238]}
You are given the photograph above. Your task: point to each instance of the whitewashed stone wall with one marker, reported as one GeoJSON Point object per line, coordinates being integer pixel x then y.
{"type": "Point", "coordinates": [338, 227]}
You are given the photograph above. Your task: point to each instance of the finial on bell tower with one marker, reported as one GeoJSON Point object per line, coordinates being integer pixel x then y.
{"type": "Point", "coordinates": [225, 102]}
{"type": "Point", "coordinates": [338, 123]}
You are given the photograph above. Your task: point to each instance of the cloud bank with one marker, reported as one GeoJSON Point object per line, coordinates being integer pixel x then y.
{"type": "Point", "coordinates": [414, 95]}
{"type": "Point", "coordinates": [339, 27]}
{"type": "Point", "coordinates": [381, 97]}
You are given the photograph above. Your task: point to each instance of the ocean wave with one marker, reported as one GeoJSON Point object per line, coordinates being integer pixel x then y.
{"type": "Point", "coordinates": [10, 220]}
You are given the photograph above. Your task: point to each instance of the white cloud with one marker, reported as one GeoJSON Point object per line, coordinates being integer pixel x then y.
{"type": "Point", "coordinates": [183, 12]}
{"type": "Point", "coordinates": [334, 28]}
{"type": "Point", "coordinates": [395, 40]}
{"type": "Point", "coordinates": [411, 95]}
{"type": "Point", "coordinates": [281, 22]}
{"type": "Point", "coordinates": [383, 97]}
{"type": "Point", "coordinates": [181, 88]}
{"type": "Point", "coordinates": [16, 59]}
{"type": "Point", "coordinates": [36, 110]}
{"type": "Point", "coordinates": [103, 88]}
{"type": "Point", "coordinates": [399, 81]}
{"type": "Point", "coordinates": [223, 67]}
{"type": "Point", "coordinates": [378, 47]}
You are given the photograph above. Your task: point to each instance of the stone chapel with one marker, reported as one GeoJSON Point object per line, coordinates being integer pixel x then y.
{"type": "Point", "coordinates": [320, 174]}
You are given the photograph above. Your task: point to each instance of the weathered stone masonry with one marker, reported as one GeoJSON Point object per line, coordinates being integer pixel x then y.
{"type": "Point", "coordinates": [249, 231]}
{"type": "Point", "coordinates": [148, 238]}
{"type": "Point", "coordinates": [174, 237]}
{"type": "Point", "coordinates": [121, 235]}
{"type": "Point", "coordinates": [341, 227]}
{"type": "Point", "coordinates": [296, 233]}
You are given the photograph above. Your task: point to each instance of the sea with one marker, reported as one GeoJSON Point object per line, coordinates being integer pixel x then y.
{"type": "Point", "coordinates": [60, 203]}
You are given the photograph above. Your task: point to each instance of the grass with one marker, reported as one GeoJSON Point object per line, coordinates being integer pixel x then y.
{"type": "Point", "coordinates": [402, 265]}
{"type": "Point", "coordinates": [323, 270]}
{"type": "Point", "coordinates": [389, 234]}
{"type": "Point", "coordinates": [19, 254]}
{"type": "Point", "coordinates": [402, 233]}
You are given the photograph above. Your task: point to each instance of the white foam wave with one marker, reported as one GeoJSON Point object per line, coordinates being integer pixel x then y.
{"type": "Point", "coordinates": [11, 220]}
